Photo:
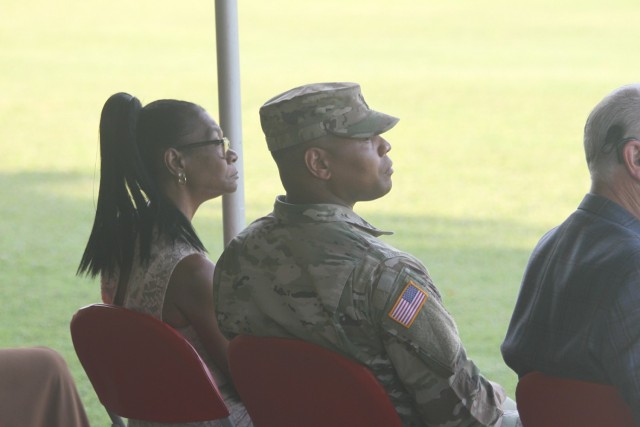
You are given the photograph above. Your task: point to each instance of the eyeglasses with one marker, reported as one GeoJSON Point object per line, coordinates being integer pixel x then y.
{"type": "Point", "coordinates": [224, 141]}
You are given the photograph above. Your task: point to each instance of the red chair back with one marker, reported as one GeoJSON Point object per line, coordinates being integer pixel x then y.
{"type": "Point", "coordinates": [292, 383]}
{"type": "Point", "coordinates": [545, 401]}
{"type": "Point", "coordinates": [142, 368]}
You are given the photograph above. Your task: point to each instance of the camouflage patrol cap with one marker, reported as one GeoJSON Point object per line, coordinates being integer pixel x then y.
{"type": "Point", "coordinates": [315, 110]}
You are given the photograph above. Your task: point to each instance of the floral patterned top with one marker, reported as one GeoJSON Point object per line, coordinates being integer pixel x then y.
{"type": "Point", "coordinates": [146, 292]}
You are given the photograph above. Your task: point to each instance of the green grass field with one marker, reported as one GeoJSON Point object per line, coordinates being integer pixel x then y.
{"type": "Point", "coordinates": [492, 98]}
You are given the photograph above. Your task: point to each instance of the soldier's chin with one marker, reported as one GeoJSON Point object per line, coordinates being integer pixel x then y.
{"type": "Point", "coordinates": [381, 193]}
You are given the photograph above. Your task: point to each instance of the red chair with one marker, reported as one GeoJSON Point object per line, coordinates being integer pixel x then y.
{"type": "Point", "coordinates": [142, 368]}
{"type": "Point", "coordinates": [292, 383]}
{"type": "Point", "coordinates": [545, 401]}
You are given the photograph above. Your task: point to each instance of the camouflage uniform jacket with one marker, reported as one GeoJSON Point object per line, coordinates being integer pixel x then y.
{"type": "Point", "coordinates": [320, 273]}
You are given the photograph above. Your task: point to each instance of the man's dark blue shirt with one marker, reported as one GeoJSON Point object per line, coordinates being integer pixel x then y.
{"type": "Point", "coordinates": [578, 312]}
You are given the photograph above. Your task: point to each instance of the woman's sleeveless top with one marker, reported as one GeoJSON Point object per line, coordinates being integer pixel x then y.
{"type": "Point", "coordinates": [146, 292]}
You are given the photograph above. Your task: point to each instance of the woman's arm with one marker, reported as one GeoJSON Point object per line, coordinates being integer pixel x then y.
{"type": "Point", "coordinates": [189, 301]}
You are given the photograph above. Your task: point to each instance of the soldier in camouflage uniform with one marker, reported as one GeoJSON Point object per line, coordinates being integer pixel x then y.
{"type": "Point", "coordinates": [314, 270]}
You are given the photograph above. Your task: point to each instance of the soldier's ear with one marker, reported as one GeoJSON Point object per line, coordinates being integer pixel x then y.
{"type": "Point", "coordinates": [317, 162]}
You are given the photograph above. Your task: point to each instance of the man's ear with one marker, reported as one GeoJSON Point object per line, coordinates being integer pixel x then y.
{"type": "Point", "coordinates": [631, 158]}
{"type": "Point", "coordinates": [174, 161]}
{"type": "Point", "coordinates": [317, 161]}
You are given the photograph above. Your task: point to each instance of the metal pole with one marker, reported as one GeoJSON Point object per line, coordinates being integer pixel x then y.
{"type": "Point", "coordinates": [230, 109]}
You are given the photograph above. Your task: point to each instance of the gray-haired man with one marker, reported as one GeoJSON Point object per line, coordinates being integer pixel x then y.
{"type": "Point", "coordinates": [314, 270]}
{"type": "Point", "coordinates": [578, 312]}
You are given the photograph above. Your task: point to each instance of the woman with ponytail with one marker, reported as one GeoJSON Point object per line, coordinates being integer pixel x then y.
{"type": "Point", "coordinates": [159, 163]}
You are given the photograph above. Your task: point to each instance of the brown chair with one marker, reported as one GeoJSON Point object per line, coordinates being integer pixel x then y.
{"type": "Point", "coordinates": [293, 383]}
{"type": "Point", "coordinates": [546, 401]}
{"type": "Point", "coordinates": [141, 368]}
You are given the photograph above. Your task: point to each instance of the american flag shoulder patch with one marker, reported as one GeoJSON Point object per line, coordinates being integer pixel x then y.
{"type": "Point", "coordinates": [408, 305]}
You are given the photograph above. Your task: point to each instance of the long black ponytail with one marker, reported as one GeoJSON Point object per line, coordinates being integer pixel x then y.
{"type": "Point", "coordinates": [130, 203]}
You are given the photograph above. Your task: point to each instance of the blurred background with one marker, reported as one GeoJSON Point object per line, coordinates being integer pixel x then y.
{"type": "Point", "coordinates": [488, 155]}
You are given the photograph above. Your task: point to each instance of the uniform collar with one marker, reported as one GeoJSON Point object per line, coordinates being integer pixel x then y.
{"type": "Point", "coordinates": [322, 212]}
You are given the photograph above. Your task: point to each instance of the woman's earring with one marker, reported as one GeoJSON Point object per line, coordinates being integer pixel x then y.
{"type": "Point", "coordinates": [182, 178]}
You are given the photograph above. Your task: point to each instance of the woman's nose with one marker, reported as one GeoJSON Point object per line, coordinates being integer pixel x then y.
{"type": "Point", "coordinates": [232, 156]}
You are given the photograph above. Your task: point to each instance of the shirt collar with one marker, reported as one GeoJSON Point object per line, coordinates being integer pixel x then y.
{"type": "Point", "coordinates": [610, 210]}
{"type": "Point", "coordinates": [322, 212]}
